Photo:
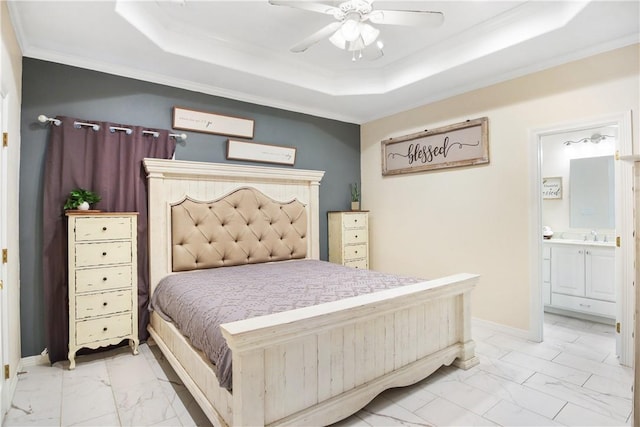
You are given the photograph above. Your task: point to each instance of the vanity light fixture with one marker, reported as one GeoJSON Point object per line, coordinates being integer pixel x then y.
{"type": "Point", "coordinates": [595, 138]}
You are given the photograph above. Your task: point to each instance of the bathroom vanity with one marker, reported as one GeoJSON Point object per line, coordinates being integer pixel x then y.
{"type": "Point", "coordinates": [579, 276]}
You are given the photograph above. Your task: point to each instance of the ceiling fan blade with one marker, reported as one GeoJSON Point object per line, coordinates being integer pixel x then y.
{"type": "Point", "coordinates": [419, 18]}
{"type": "Point", "coordinates": [306, 5]}
{"type": "Point", "coordinates": [316, 37]}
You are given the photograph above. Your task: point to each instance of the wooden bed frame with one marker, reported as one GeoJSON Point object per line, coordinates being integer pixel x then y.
{"type": "Point", "coordinates": [314, 365]}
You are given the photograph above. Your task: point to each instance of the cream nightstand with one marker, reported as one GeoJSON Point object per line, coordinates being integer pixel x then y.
{"type": "Point", "coordinates": [349, 238]}
{"type": "Point", "coordinates": [103, 277]}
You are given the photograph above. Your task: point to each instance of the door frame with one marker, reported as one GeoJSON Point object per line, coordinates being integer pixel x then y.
{"type": "Point", "coordinates": [625, 254]}
{"type": "Point", "coordinates": [5, 387]}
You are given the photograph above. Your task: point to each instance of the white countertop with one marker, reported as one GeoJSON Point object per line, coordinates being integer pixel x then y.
{"type": "Point", "coordinates": [579, 242]}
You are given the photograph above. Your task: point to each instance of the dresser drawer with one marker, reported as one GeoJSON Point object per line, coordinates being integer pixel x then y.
{"type": "Point", "coordinates": [353, 220]}
{"type": "Point", "coordinates": [586, 305]}
{"type": "Point", "coordinates": [106, 253]}
{"type": "Point", "coordinates": [102, 304]}
{"type": "Point", "coordinates": [88, 331]}
{"type": "Point", "coordinates": [98, 228]}
{"type": "Point", "coordinates": [357, 263]}
{"type": "Point", "coordinates": [355, 252]}
{"type": "Point", "coordinates": [103, 278]}
{"type": "Point", "coordinates": [355, 236]}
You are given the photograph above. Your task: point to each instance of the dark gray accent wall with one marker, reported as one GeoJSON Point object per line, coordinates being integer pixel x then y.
{"type": "Point", "coordinates": [54, 89]}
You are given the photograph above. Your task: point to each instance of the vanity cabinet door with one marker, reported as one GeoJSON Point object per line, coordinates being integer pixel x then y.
{"type": "Point", "coordinates": [567, 270]}
{"type": "Point", "coordinates": [546, 275]}
{"type": "Point", "coordinates": [600, 273]}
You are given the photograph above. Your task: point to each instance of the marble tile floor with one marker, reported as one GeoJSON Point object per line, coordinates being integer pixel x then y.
{"type": "Point", "coordinates": [571, 379]}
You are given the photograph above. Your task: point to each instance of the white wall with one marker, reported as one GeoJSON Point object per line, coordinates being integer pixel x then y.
{"type": "Point", "coordinates": [477, 219]}
{"type": "Point", "coordinates": [11, 89]}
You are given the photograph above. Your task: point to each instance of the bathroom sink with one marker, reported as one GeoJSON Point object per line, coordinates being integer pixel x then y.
{"type": "Point", "coordinates": [581, 242]}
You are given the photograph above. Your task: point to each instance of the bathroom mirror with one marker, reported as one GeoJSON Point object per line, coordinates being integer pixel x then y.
{"type": "Point", "coordinates": [592, 182]}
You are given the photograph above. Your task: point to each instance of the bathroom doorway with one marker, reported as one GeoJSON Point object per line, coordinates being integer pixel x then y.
{"type": "Point", "coordinates": [582, 231]}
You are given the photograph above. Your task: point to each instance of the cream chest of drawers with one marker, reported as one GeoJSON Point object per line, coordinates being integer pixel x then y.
{"type": "Point", "coordinates": [349, 238]}
{"type": "Point", "coordinates": [103, 277]}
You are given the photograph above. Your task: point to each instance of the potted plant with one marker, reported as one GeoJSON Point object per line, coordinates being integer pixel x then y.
{"type": "Point", "coordinates": [355, 197]}
{"type": "Point", "coordinates": [81, 199]}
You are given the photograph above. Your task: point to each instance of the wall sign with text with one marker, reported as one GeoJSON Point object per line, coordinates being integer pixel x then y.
{"type": "Point", "coordinates": [257, 152]}
{"type": "Point", "coordinates": [460, 144]}
{"type": "Point", "coordinates": [202, 121]}
{"type": "Point", "coordinates": [552, 187]}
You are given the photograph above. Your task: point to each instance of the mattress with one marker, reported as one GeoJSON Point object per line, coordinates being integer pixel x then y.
{"type": "Point", "coordinates": [199, 302]}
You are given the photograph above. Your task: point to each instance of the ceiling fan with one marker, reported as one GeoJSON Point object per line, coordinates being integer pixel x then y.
{"type": "Point", "coordinates": [351, 30]}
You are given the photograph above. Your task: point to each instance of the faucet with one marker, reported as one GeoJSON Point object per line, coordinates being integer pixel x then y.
{"type": "Point", "coordinates": [595, 235]}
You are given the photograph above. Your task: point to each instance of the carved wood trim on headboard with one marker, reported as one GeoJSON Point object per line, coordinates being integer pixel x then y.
{"type": "Point", "coordinates": [171, 181]}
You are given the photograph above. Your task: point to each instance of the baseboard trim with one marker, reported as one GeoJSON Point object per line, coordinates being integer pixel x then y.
{"type": "Point", "coordinates": [498, 327]}
{"type": "Point", "coordinates": [578, 315]}
{"type": "Point", "coordinates": [40, 359]}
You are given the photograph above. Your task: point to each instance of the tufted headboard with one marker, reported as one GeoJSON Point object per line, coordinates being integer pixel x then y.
{"type": "Point", "coordinates": [244, 227]}
{"type": "Point", "coordinates": [174, 183]}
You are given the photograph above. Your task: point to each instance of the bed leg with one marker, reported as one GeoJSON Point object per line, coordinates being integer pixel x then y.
{"type": "Point", "coordinates": [467, 358]}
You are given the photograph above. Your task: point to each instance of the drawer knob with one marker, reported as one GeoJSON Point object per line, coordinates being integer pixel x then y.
{"type": "Point", "coordinates": [355, 220]}
{"type": "Point", "coordinates": [104, 254]}
{"type": "Point", "coordinates": [356, 236]}
{"type": "Point", "coordinates": [356, 251]}
{"type": "Point", "coordinates": [104, 228]}
{"type": "Point", "coordinates": [104, 304]}
{"type": "Point", "coordinates": [104, 279]}
{"type": "Point", "coordinates": [104, 329]}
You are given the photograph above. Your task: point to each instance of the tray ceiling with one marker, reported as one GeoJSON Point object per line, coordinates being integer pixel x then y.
{"type": "Point", "coordinates": [240, 49]}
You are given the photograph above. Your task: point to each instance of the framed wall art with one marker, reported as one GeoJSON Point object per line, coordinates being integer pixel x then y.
{"type": "Point", "coordinates": [201, 121]}
{"type": "Point", "coordinates": [258, 152]}
{"type": "Point", "coordinates": [460, 144]}
{"type": "Point", "coordinates": [552, 187]}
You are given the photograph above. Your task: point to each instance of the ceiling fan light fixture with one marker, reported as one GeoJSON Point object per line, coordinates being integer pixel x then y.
{"type": "Point", "coordinates": [338, 40]}
{"type": "Point", "coordinates": [351, 28]}
{"type": "Point", "coordinates": [367, 35]}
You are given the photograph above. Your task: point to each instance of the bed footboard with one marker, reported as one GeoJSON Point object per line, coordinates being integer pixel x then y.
{"type": "Point", "coordinates": [320, 364]}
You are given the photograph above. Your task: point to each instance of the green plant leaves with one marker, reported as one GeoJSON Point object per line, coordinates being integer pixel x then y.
{"type": "Point", "coordinates": [80, 195]}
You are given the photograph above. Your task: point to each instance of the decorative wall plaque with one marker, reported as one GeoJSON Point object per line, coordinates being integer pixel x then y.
{"type": "Point", "coordinates": [201, 121]}
{"type": "Point", "coordinates": [460, 144]}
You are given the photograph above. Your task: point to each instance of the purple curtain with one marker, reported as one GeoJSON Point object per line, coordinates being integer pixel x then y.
{"type": "Point", "coordinates": [110, 164]}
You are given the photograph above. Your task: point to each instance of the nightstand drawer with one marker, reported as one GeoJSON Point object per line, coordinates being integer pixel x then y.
{"type": "Point", "coordinates": [357, 263]}
{"type": "Point", "coordinates": [355, 251]}
{"type": "Point", "coordinates": [88, 254]}
{"type": "Point", "coordinates": [103, 304]}
{"type": "Point", "coordinates": [103, 278]}
{"type": "Point", "coordinates": [97, 228]}
{"type": "Point", "coordinates": [355, 236]}
{"type": "Point", "coordinates": [355, 220]}
{"type": "Point", "coordinates": [88, 331]}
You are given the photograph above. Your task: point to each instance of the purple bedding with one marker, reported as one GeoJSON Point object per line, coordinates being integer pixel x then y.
{"type": "Point", "coordinates": [199, 302]}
